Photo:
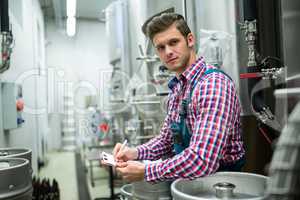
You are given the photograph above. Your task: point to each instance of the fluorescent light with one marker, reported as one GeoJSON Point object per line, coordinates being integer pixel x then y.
{"type": "Point", "coordinates": [71, 26]}
{"type": "Point", "coordinates": [71, 20]}
{"type": "Point", "coordinates": [71, 8]}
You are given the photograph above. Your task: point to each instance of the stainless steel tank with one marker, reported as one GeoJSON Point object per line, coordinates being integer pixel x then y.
{"type": "Point", "coordinates": [126, 192]}
{"type": "Point", "coordinates": [16, 183]}
{"type": "Point", "coordinates": [222, 185]}
{"type": "Point", "coordinates": [146, 191]}
{"type": "Point", "coordinates": [17, 153]}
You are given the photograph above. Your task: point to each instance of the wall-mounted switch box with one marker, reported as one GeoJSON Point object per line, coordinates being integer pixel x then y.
{"type": "Point", "coordinates": [12, 105]}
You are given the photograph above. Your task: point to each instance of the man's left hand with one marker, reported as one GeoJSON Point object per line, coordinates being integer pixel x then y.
{"type": "Point", "coordinates": [131, 170]}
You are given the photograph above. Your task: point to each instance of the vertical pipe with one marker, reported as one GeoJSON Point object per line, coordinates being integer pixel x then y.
{"type": "Point", "coordinates": [250, 11]}
{"type": "Point", "coordinates": [4, 16]}
{"type": "Point", "coordinates": [184, 9]}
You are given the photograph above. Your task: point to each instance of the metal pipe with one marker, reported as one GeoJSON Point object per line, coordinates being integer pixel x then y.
{"type": "Point", "coordinates": [291, 92]}
{"type": "Point", "coordinates": [250, 11]}
{"type": "Point", "coordinates": [184, 9]}
{"type": "Point", "coordinates": [4, 16]}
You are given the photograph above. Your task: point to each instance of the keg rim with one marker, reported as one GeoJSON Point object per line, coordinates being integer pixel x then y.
{"type": "Point", "coordinates": [230, 173]}
{"type": "Point", "coordinates": [27, 150]}
{"type": "Point", "coordinates": [24, 163]}
{"type": "Point", "coordinates": [124, 191]}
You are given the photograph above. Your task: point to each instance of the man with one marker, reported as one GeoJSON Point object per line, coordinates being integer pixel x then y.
{"type": "Point", "coordinates": [203, 108]}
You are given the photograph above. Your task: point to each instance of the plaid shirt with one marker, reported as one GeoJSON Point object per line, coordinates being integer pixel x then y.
{"type": "Point", "coordinates": [214, 122]}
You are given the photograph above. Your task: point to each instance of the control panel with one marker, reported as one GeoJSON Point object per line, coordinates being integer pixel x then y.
{"type": "Point", "coordinates": [12, 105]}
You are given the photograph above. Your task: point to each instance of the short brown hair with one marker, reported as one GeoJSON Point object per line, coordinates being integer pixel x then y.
{"type": "Point", "coordinates": [161, 22]}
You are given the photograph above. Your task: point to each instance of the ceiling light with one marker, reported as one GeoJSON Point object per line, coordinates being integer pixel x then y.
{"type": "Point", "coordinates": [71, 8]}
{"type": "Point", "coordinates": [71, 26]}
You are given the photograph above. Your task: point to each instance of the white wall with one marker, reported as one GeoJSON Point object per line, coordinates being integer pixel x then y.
{"type": "Point", "coordinates": [83, 59]}
{"type": "Point", "coordinates": [24, 60]}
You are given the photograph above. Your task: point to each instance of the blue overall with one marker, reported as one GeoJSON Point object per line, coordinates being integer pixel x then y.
{"type": "Point", "coordinates": [181, 133]}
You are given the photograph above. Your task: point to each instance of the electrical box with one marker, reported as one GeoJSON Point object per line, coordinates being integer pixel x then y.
{"type": "Point", "coordinates": [12, 105]}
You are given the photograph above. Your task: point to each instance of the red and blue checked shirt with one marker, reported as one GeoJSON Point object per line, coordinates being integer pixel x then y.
{"type": "Point", "coordinates": [214, 122]}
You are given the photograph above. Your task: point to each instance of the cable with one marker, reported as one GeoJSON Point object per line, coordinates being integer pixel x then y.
{"type": "Point", "coordinates": [265, 135]}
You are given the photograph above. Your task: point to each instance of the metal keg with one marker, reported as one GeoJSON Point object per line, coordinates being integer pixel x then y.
{"type": "Point", "coordinates": [222, 185]}
{"type": "Point", "coordinates": [16, 183]}
{"type": "Point", "coordinates": [17, 153]}
{"type": "Point", "coordinates": [126, 192]}
{"type": "Point", "coordinates": [147, 191]}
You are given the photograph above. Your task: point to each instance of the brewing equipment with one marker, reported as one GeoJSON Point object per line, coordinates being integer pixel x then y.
{"type": "Point", "coordinates": [17, 153]}
{"type": "Point", "coordinates": [15, 179]}
{"type": "Point", "coordinates": [147, 191]}
{"type": "Point", "coordinates": [126, 192]}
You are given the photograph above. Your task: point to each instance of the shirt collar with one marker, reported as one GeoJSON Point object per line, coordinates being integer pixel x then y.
{"type": "Point", "coordinates": [192, 71]}
{"type": "Point", "coordinates": [189, 74]}
{"type": "Point", "coordinates": [174, 81]}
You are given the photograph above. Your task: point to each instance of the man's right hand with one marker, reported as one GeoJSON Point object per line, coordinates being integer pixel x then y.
{"type": "Point", "coordinates": [125, 154]}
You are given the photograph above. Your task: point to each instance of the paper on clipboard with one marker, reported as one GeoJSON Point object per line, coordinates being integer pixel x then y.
{"type": "Point", "coordinates": [108, 159]}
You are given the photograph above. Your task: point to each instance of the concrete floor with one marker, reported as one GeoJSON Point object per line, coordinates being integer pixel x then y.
{"type": "Point", "coordinates": [61, 166]}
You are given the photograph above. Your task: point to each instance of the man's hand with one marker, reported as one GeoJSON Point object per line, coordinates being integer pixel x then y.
{"type": "Point", "coordinates": [125, 154]}
{"type": "Point", "coordinates": [131, 170]}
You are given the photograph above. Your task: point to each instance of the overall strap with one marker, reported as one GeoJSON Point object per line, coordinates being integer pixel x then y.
{"type": "Point", "coordinates": [180, 130]}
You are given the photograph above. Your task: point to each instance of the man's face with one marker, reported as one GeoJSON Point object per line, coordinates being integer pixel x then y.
{"type": "Point", "coordinates": [173, 49]}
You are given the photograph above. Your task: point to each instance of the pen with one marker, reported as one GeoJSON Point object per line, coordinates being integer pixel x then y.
{"type": "Point", "coordinates": [123, 145]}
